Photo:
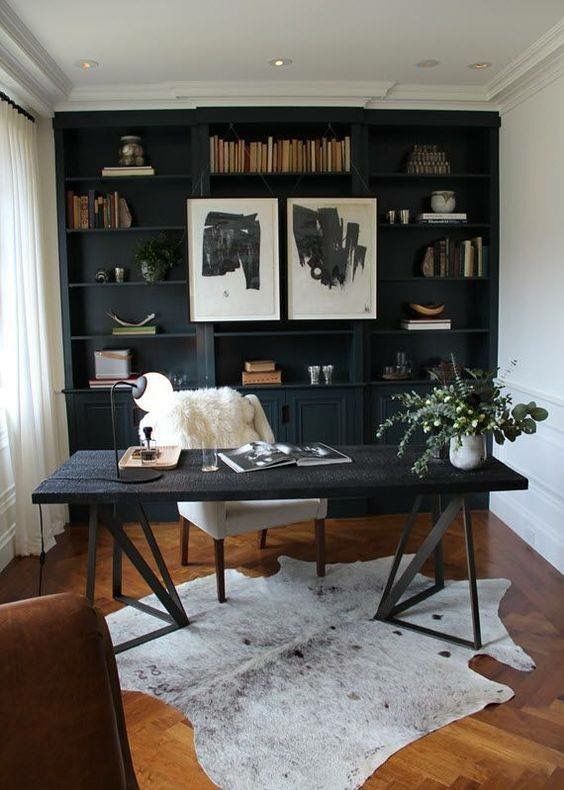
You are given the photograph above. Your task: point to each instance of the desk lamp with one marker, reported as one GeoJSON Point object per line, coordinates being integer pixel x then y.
{"type": "Point", "coordinates": [148, 392]}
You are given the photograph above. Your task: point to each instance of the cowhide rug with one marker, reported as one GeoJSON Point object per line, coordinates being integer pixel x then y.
{"type": "Point", "coordinates": [291, 683]}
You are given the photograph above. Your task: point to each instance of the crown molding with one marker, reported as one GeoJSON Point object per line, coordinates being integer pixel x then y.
{"type": "Point", "coordinates": [27, 66]}
{"type": "Point", "coordinates": [539, 65]}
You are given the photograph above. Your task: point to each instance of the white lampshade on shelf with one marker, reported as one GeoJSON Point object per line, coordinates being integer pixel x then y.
{"type": "Point", "coordinates": [151, 390]}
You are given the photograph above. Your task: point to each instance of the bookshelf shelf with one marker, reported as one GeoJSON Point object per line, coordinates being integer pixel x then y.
{"type": "Point", "coordinates": [157, 178]}
{"type": "Point", "coordinates": [430, 177]}
{"type": "Point", "coordinates": [433, 226]}
{"type": "Point", "coordinates": [130, 284]}
{"type": "Point", "coordinates": [282, 332]}
{"type": "Point", "coordinates": [135, 229]}
{"type": "Point", "coordinates": [134, 338]}
{"type": "Point", "coordinates": [419, 279]}
{"type": "Point", "coordinates": [419, 332]}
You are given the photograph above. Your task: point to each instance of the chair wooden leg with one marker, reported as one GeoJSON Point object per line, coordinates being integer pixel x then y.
{"type": "Point", "coordinates": [184, 527]}
{"type": "Point", "coordinates": [320, 545]}
{"type": "Point", "coordinates": [262, 539]}
{"type": "Point", "coordinates": [219, 569]}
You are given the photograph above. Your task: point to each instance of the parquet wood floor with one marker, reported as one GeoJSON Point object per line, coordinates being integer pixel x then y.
{"type": "Point", "coordinates": [515, 746]}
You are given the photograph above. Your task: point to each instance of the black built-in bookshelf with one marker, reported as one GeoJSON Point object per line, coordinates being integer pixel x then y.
{"type": "Point", "coordinates": [177, 145]}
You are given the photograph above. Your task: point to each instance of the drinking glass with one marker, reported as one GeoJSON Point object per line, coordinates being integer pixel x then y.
{"type": "Point", "coordinates": [327, 373]}
{"type": "Point", "coordinates": [314, 371]}
{"type": "Point", "coordinates": [209, 459]}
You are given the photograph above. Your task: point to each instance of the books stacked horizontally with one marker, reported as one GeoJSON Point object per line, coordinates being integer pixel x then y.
{"type": "Point", "coordinates": [423, 324]}
{"type": "Point", "coordinates": [438, 218]}
{"type": "Point", "coordinates": [122, 172]}
{"type": "Point", "coordinates": [321, 155]}
{"type": "Point", "coordinates": [134, 331]}
{"type": "Point", "coordinates": [92, 211]}
{"type": "Point", "coordinates": [104, 383]}
{"type": "Point", "coordinates": [456, 258]}
{"type": "Point", "coordinates": [264, 455]}
{"type": "Point", "coordinates": [261, 371]}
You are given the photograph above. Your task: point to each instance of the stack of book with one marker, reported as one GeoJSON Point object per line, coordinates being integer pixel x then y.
{"type": "Point", "coordinates": [92, 211]}
{"type": "Point", "coordinates": [438, 218]}
{"type": "Point", "coordinates": [103, 383]}
{"type": "Point", "coordinates": [122, 172]}
{"type": "Point", "coordinates": [456, 258]}
{"type": "Point", "coordinates": [422, 324]}
{"type": "Point", "coordinates": [322, 155]}
{"type": "Point", "coordinates": [131, 331]}
{"type": "Point", "coordinates": [261, 371]}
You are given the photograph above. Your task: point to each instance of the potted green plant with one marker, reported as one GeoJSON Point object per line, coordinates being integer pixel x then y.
{"type": "Point", "coordinates": [460, 415]}
{"type": "Point", "coordinates": [155, 257]}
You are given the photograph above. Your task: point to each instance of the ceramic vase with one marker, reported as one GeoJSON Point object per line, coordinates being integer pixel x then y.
{"type": "Point", "coordinates": [443, 202]}
{"type": "Point", "coordinates": [467, 452]}
{"type": "Point", "coordinates": [153, 272]}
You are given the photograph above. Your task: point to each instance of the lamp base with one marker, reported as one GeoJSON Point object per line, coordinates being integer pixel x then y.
{"type": "Point", "coordinates": [137, 476]}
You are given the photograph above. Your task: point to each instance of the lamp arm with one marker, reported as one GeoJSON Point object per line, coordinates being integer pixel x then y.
{"type": "Point", "coordinates": [114, 430]}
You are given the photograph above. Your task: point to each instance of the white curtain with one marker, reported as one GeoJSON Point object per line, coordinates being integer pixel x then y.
{"type": "Point", "coordinates": [25, 353]}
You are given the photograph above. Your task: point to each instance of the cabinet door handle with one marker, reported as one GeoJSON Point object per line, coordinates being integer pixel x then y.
{"type": "Point", "coordinates": [285, 414]}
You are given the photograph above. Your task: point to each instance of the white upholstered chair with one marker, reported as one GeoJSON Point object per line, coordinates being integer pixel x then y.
{"type": "Point", "coordinates": [224, 418]}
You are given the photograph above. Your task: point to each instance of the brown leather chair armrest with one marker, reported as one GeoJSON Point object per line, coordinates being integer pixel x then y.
{"type": "Point", "coordinates": [61, 711]}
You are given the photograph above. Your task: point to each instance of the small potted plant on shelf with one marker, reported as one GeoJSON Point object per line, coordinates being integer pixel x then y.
{"type": "Point", "coordinates": [155, 257]}
{"type": "Point", "coordinates": [460, 415]}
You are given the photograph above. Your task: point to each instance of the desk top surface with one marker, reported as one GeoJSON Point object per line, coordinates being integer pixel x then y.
{"type": "Point", "coordinates": [87, 478]}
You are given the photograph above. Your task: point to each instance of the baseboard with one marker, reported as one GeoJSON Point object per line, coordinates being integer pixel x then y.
{"type": "Point", "coordinates": [521, 511]}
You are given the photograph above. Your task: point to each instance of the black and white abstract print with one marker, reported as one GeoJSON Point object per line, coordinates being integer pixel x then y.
{"type": "Point", "coordinates": [232, 241]}
{"type": "Point", "coordinates": [327, 245]}
{"type": "Point", "coordinates": [233, 259]}
{"type": "Point", "coordinates": [331, 258]}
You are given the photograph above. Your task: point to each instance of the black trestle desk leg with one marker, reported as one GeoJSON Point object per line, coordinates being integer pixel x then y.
{"type": "Point", "coordinates": [439, 558]}
{"type": "Point", "coordinates": [117, 571]}
{"type": "Point", "coordinates": [391, 603]}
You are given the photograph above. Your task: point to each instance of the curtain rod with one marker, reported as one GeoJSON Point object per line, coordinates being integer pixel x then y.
{"type": "Point", "coordinates": [17, 107]}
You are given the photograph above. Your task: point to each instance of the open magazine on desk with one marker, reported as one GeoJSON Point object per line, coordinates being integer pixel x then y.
{"type": "Point", "coordinates": [263, 455]}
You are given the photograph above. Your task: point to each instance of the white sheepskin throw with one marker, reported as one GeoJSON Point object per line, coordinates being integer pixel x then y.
{"type": "Point", "coordinates": [203, 418]}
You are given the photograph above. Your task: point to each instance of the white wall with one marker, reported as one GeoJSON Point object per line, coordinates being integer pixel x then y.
{"type": "Point", "coordinates": [531, 317]}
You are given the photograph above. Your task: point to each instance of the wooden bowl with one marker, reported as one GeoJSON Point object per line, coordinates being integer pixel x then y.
{"type": "Point", "coordinates": [431, 310]}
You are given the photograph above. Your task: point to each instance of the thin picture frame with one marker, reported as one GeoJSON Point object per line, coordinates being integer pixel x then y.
{"type": "Point", "coordinates": [309, 295]}
{"type": "Point", "coordinates": [226, 284]}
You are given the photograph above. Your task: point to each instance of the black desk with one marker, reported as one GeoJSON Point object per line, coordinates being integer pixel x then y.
{"type": "Point", "coordinates": [86, 479]}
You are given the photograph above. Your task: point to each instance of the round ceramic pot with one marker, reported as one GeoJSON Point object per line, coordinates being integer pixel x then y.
{"type": "Point", "coordinates": [467, 452]}
{"type": "Point", "coordinates": [153, 272]}
{"type": "Point", "coordinates": [443, 202]}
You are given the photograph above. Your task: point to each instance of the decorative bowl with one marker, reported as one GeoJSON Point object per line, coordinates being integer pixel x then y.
{"type": "Point", "coordinates": [427, 309]}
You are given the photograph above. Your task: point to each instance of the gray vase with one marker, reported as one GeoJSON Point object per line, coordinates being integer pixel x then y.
{"type": "Point", "coordinates": [467, 452]}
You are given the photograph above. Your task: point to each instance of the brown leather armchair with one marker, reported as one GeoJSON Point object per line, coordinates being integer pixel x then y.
{"type": "Point", "coordinates": [61, 711]}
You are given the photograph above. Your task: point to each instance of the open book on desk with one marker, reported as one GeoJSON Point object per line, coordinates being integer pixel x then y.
{"type": "Point", "coordinates": [262, 455]}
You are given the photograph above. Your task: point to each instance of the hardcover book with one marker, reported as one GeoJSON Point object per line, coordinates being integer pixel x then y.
{"type": "Point", "coordinates": [263, 455]}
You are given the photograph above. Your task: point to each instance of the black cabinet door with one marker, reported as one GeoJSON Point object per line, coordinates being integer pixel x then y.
{"type": "Point", "coordinates": [323, 415]}
{"type": "Point", "coordinates": [90, 421]}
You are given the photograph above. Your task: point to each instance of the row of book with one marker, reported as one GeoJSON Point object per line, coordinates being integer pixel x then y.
{"type": "Point", "coordinates": [91, 211]}
{"type": "Point", "coordinates": [426, 324]}
{"type": "Point", "coordinates": [261, 371]}
{"type": "Point", "coordinates": [460, 258]}
{"type": "Point", "coordinates": [320, 155]}
{"type": "Point", "coordinates": [107, 383]}
{"type": "Point", "coordinates": [134, 331]}
{"type": "Point", "coordinates": [436, 218]}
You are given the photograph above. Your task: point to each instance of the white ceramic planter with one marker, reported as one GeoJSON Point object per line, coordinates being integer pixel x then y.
{"type": "Point", "coordinates": [467, 452]}
{"type": "Point", "coordinates": [443, 202]}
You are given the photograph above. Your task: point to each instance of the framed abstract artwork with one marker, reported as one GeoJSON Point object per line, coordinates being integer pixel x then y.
{"type": "Point", "coordinates": [233, 259]}
{"type": "Point", "coordinates": [331, 258]}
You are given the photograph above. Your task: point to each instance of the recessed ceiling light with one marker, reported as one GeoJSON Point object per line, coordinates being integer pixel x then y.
{"type": "Point", "coordinates": [430, 63]}
{"type": "Point", "coordinates": [479, 66]}
{"type": "Point", "coordinates": [86, 64]}
{"type": "Point", "coordinates": [280, 61]}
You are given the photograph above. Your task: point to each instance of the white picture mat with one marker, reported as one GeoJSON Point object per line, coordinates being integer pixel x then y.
{"type": "Point", "coordinates": [207, 299]}
{"type": "Point", "coordinates": [307, 298]}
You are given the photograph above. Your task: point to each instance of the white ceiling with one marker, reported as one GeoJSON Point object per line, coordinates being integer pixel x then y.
{"type": "Point", "coordinates": [147, 41]}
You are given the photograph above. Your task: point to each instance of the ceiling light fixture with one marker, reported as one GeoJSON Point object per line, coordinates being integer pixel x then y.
{"type": "Point", "coordinates": [479, 66]}
{"type": "Point", "coordinates": [86, 65]}
{"type": "Point", "coordinates": [280, 61]}
{"type": "Point", "coordinates": [430, 63]}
